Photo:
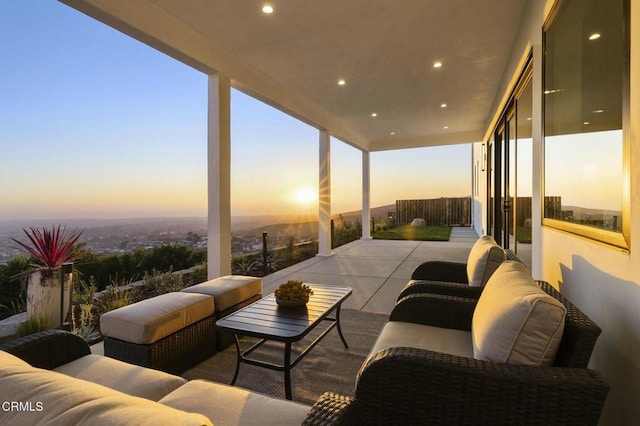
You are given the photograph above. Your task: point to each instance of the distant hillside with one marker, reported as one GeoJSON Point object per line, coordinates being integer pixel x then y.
{"type": "Point", "coordinates": [583, 212]}
{"type": "Point", "coordinates": [239, 223]}
{"type": "Point", "coordinates": [285, 226]}
{"type": "Point", "coordinates": [376, 212]}
{"type": "Point", "coordinates": [298, 230]}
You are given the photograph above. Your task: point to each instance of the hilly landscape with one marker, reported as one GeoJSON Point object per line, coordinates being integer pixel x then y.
{"type": "Point", "coordinates": [120, 235]}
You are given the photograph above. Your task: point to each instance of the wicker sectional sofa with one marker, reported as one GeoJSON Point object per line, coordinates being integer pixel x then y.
{"type": "Point", "coordinates": [52, 378]}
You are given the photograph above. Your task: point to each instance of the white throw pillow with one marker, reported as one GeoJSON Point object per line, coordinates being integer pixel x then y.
{"type": "Point", "coordinates": [515, 321]}
{"type": "Point", "coordinates": [485, 257]}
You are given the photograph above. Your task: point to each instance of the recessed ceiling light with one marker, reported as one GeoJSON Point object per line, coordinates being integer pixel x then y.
{"type": "Point", "coordinates": [374, 114]}
{"type": "Point", "coordinates": [437, 64]}
{"type": "Point", "coordinates": [598, 111]}
{"type": "Point", "coordinates": [392, 133]}
{"type": "Point", "coordinates": [341, 82]}
{"type": "Point", "coordinates": [594, 36]}
{"type": "Point", "coordinates": [586, 122]}
{"type": "Point", "coordinates": [552, 91]}
{"type": "Point", "coordinates": [445, 127]}
{"type": "Point", "coordinates": [267, 8]}
{"type": "Point", "coordinates": [443, 105]}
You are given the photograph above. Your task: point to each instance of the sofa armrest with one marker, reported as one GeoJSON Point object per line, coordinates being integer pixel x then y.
{"type": "Point", "coordinates": [437, 270]}
{"type": "Point", "coordinates": [331, 409]}
{"type": "Point", "coordinates": [48, 349]}
{"type": "Point", "coordinates": [456, 390]}
{"type": "Point", "coordinates": [436, 310]}
{"type": "Point", "coordinates": [441, 287]}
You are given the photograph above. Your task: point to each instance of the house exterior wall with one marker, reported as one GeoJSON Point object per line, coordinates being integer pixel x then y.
{"type": "Point", "coordinates": [602, 280]}
{"type": "Point", "coordinates": [479, 191]}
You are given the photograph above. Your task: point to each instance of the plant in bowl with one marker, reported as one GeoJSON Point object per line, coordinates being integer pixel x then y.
{"type": "Point", "coordinates": [293, 293]}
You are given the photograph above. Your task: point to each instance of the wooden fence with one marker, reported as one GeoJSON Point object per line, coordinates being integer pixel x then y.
{"type": "Point", "coordinates": [438, 211]}
{"type": "Point", "coordinates": [552, 208]}
{"type": "Point", "coordinates": [457, 211]}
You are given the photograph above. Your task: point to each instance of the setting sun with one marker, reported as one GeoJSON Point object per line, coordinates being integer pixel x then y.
{"type": "Point", "coordinates": [305, 195]}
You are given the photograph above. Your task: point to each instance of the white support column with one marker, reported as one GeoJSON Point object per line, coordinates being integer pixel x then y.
{"type": "Point", "coordinates": [324, 195]}
{"type": "Point", "coordinates": [219, 177]}
{"type": "Point", "coordinates": [366, 196]}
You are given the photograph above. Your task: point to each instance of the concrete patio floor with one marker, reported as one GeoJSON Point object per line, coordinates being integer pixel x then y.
{"type": "Point", "coordinates": [377, 270]}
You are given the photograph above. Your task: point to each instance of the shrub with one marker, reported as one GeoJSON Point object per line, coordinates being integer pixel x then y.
{"type": "Point", "coordinates": [244, 265]}
{"type": "Point", "coordinates": [83, 325]}
{"type": "Point", "coordinates": [165, 282]}
{"type": "Point", "coordinates": [33, 324]}
{"type": "Point", "coordinates": [139, 262]}
{"type": "Point", "coordinates": [115, 297]}
{"type": "Point", "coordinates": [169, 257]}
{"type": "Point", "coordinates": [270, 264]}
{"type": "Point", "coordinates": [13, 285]}
{"type": "Point", "coordinates": [199, 274]}
{"type": "Point", "coordinates": [345, 231]}
{"type": "Point", "coordinates": [84, 293]}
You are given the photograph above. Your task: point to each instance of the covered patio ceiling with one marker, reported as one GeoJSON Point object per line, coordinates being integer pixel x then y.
{"type": "Point", "coordinates": [294, 58]}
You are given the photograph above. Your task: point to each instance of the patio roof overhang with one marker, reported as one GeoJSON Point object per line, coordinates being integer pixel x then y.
{"type": "Point", "coordinates": [293, 59]}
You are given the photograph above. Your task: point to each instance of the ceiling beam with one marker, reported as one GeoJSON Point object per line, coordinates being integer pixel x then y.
{"type": "Point", "coordinates": [425, 141]}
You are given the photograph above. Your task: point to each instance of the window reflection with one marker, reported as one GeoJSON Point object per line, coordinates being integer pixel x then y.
{"type": "Point", "coordinates": [585, 59]}
{"type": "Point", "coordinates": [583, 175]}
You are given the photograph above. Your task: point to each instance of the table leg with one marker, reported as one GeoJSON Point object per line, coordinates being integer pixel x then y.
{"type": "Point", "coordinates": [287, 370]}
{"type": "Point", "coordinates": [339, 328]}
{"type": "Point", "coordinates": [235, 375]}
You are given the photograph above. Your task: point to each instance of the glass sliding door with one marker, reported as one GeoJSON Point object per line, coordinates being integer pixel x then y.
{"type": "Point", "coordinates": [523, 173]}
{"type": "Point", "coordinates": [509, 178]}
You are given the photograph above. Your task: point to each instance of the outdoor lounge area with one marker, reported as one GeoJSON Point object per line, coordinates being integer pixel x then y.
{"type": "Point", "coordinates": [545, 94]}
{"type": "Point", "coordinates": [401, 349]}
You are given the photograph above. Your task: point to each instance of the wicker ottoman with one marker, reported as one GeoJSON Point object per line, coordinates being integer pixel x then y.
{"type": "Point", "coordinates": [171, 332]}
{"type": "Point", "coordinates": [230, 293]}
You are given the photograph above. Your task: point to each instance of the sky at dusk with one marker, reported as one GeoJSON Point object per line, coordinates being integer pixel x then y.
{"type": "Point", "coordinates": [94, 124]}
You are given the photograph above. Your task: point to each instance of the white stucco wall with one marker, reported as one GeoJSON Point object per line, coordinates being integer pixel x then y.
{"type": "Point", "coordinates": [479, 209]}
{"type": "Point", "coordinates": [601, 280]}
{"type": "Point", "coordinates": [605, 282]}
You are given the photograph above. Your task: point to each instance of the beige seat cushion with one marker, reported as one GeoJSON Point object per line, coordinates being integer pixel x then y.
{"type": "Point", "coordinates": [515, 321]}
{"type": "Point", "coordinates": [8, 359]}
{"type": "Point", "coordinates": [121, 376]}
{"type": "Point", "coordinates": [485, 257]}
{"type": "Point", "coordinates": [232, 406]}
{"type": "Point", "coordinates": [397, 334]}
{"type": "Point", "coordinates": [52, 398]}
{"type": "Point", "coordinates": [229, 290]}
{"type": "Point", "coordinates": [152, 319]}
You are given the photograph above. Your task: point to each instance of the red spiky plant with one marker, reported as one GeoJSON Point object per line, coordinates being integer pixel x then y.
{"type": "Point", "coordinates": [50, 247]}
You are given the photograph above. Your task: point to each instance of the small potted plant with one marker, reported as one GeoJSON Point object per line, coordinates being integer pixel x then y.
{"type": "Point", "coordinates": [51, 249]}
{"type": "Point", "coordinates": [293, 293]}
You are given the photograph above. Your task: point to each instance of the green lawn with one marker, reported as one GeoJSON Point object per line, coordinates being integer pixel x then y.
{"type": "Point", "coordinates": [524, 235]}
{"type": "Point", "coordinates": [406, 232]}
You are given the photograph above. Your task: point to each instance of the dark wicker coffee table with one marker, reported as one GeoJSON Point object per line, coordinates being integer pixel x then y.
{"type": "Point", "coordinates": [265, 320]}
